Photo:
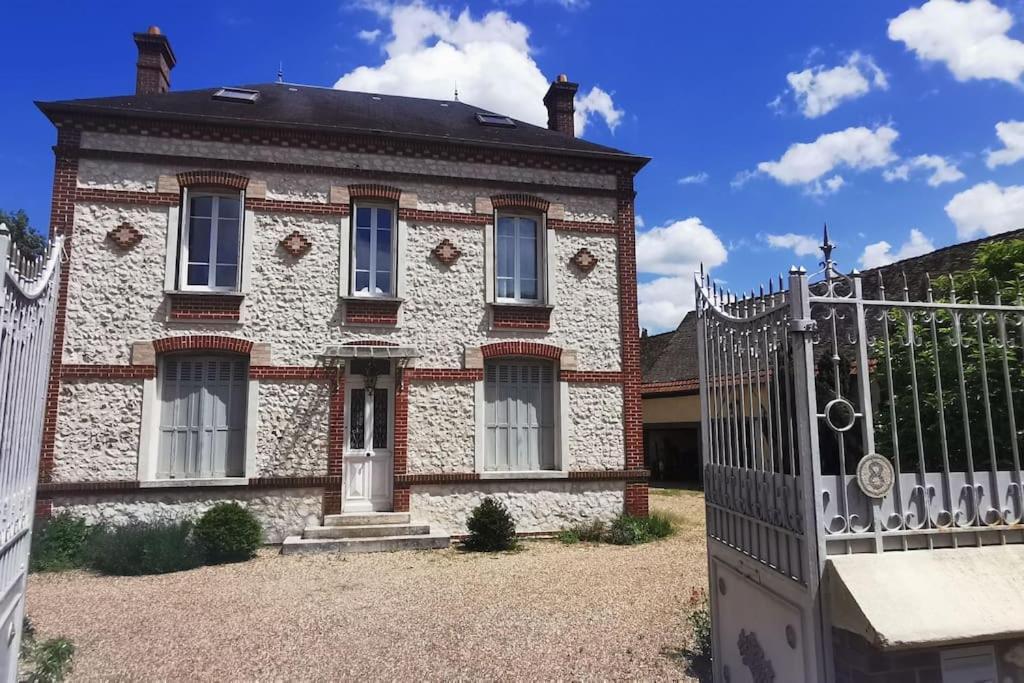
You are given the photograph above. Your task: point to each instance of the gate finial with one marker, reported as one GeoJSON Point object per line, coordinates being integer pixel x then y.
{"type": "Point", "coordinates": [826, 248]}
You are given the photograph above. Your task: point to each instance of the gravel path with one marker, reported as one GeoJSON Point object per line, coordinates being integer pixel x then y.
{"type": "Point", "coordinates": [547, 611]}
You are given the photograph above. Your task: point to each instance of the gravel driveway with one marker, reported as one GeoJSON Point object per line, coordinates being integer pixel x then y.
{"type": "Point", "coordinates": [547, 611]}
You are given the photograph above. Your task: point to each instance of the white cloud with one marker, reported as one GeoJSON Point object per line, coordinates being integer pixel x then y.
{"type": "Point", "coordinates": [694, 179]}
{"type": "Point", "coordinates": [823, 188]}
{"type": "Point", "coordinates": [675, 252]}
{"type": "Point", "coordinates": [1011, 134]}
{"type": "Point", "coordinates": [880, 253]}
{"type": "Point", "coordinates": [369, 36]}
{"type": "Point", "coordinates": [818, 90]}
{"type": "Point", "coordinates": [968, 37]}
{"type": "Point", "coordinates": [429, 51]}
{"type": "Point", "coordinates": [942, 170]}
{"type": "Point", "coordinates": [802, 245]}
{"type": "Point", "coordinates": [987, 209]}
{"type": "Point", "coordinates": [639, 222]}
{"type": "Point", "coordinates": [806, 162]}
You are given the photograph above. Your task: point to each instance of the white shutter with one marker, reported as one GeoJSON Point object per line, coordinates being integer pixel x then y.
{"type": "Point", "coordinates": [519, 415]}
{"type": "Point", "coordinates": [202, 421]}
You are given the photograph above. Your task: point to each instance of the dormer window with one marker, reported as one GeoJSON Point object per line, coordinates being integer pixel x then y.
{"type": "Point", "coordinates": [237, 95]}
{"type": "Point", "coordinates": [210, 250]}
{"type": "Point", "coordinates": [495, 120]}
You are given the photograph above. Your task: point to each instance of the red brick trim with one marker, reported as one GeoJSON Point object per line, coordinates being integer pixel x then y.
{"type": "Point", "coordinates": [686, 386]}
{"type": "Point", "coordinates": [400, 455]}
{"type": "Point", "coordinates": [520, 201]}
{"type": "Point", "coordinates": [335, 443]}
{"type": "Point", "coordinates": [520, 317]}
{"type": "Point", "coordinates": [583, 226]}
{"type": "Point", "coordinates": [203, 342]}
{"type": "Point", "coordinates": [291, 372]}
{"type": "Point", "coordinates": [406, 480]}
{"type": "Point", "coordinates": [374, 191]}
{"type": "Point", "coordinates": [446, 217]}
{"type": "Point", "coordinates": [81, 371]}
{"type": "Point", "coordinates": [371, 311]}
{"type": "Point", "coordinates": [211, 178]}
{"type": "Point", "coordinates": [520, 348]}
{"type": "Point", "coordinates": [443, 375]}
{"type": "Point", "coordinates": [637, 499]}
{"type": "Point", "coordinates": [591, 376]}
{"type": "Point", "coordinates": [44, 508]}
{"type": "Point", "coordinates": [49, 489]}
{"type": "Point", "coordinates": [187, 306]}
{"type": "Point", "coordinates": [62, 218]}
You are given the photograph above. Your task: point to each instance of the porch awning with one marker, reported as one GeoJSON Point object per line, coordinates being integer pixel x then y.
{"type": "Point", "coordinates": [368, 351]}
{"type": "Point", "coordinates": [925, 598]}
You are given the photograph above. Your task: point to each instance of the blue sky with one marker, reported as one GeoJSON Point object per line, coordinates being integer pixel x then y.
{"type": "Point", "coordinates": [896, 105]}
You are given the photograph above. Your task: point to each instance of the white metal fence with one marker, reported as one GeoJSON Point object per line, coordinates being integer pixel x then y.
{"type": "Point", "coordinates": [27, 316]}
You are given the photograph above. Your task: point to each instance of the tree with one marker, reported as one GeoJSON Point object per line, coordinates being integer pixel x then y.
{"type": "Point", "coordinates": [23, 234]}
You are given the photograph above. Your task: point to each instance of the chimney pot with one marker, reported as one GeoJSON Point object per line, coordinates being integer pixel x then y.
{"type": "Point", "coordinates": [560, 105]}
{"type": "Point", "coordinates": [156, 59]}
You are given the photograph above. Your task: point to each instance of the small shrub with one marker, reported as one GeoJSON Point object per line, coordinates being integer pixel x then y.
{"type": "Point", "coordinates": [659, 526]}
{"type": "Point", "coordinates": [629, 530]}
{"type": "Point", "coordinates": [60, 544]}
{"type": "Point", "coordinates": [491, 527]}
{"type": "Point", "coordinates": [145, 548]}
{"type": "Point", "coordinates": [228, 532]}
{"type": "Point", "coordinates": [45, 662]}
{"type": "Point", "coordinates": [587, 532]}
{"type": "Point", "coordinates": [569, 536]}
{"type": "Point", "coordinates": [698, 653]}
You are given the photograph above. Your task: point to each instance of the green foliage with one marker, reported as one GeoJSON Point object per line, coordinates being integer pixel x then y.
{"type": "Point", "coordinates": [228, 532]}
{"type": "Point", "coordinates": [60, 544]}
{"type": "Point", "coordinates": [491, 527]}
{"type": "Point", "coordinates": [23, 234]}
{"type": "Point", "coordinates": [630, 530]}
{"type": "Point", "coordinates": [145, 548]}
{"type": "Point", "coordinates": [587, 532]}
{"type": "Point", "coordinates": [698, 653]}
{"type": "Point", "coordinates": [45, 662]}
{"type": "Point", "coordinates": [991, 370]}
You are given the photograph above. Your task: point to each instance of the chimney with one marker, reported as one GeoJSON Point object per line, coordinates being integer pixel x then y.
{"type": "Point", "coordinates": [559, 102]}
{"type": "Point", "coordinates": [156, 59]}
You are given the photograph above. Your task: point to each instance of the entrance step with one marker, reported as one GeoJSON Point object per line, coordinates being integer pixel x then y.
{"type": "Point", "coordinates": [366, 531]}
{"type": "Point", "coordinates": [294, 545]}
{"type": "Point", "coordinates": [366, 518]}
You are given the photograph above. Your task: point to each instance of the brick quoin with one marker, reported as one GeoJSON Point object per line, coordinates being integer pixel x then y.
{"type": "Point", "coordinates": [335, 442]}
{"type": "Point", "coordinates": [207, 178]}
{"type": "Point", "coordinates": [636, 493]}
{"type": "Point", "coordinates": [44, 508]}
{"type": "Point", "coordinates": [520, 348]}
{"type": "Point", "coordinates": [205, 307]}
{"type": "Point", "coordinates": [62, 218]}
{"type": "Point", "coordinates": [400, 497]}
{"type": "Point", "coordinates": [203, 342]}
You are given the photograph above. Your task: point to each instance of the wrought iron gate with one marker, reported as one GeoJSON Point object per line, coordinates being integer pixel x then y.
{"type": "Point", "coordinates": [27, 315]}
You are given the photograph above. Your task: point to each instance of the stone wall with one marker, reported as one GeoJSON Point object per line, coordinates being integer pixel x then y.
{"type": "Point", "coordinates": [293, 429]}
{"type": "Point", "coordinates": [98, 430]}
{"type": "Point", "coordinates": [536, 506]}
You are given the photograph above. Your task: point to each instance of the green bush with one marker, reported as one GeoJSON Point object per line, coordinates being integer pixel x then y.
{"type": "Point", "coordinates": [228, 532]}
{"type": "Point", "coordinates": [45, 662]}
{"type": "Point", "coordinates": [698, 654]}
{"type": "Point", "coordinates": [145, 548]}
{"type": "Point", "coordinates": [629, 530]}
{"type": "Point", "coordinates": [59, 544]}
{"type": "Point", "coordinates": [491, 527]}
{"type": "Point", "coordinates": [587, 532]}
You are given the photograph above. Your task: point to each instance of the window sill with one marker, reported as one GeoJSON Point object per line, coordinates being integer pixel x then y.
{"type": "Point", "coordinates": [205, 292]}
{"type": "Point", "coordinates": [513, 316]}
{"type": "Point", "coordinates": [530, 474]}
{"type": "Point", "coordinates": [370, 297]}
{"type": "Point", "coordinates": [185, 483]}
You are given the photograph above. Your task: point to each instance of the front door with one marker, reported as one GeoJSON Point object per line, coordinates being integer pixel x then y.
{"type": "Point", "coordinates": [367, 468]}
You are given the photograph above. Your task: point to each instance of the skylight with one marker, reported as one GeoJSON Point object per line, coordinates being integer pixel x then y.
{"type": "Point", "coordinates": [236, 95]}
{"type": "Point", "coordinates": [495, 120]}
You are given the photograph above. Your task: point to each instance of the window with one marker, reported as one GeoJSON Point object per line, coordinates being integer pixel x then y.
{"type": "Point", "coordinates": [519, 413]}
{"type": "Point", "coordinates": [495, 120]}
{"type": "Point", "coordinates": [210, 250]}
{"type": "Point", "coordinates": [373, 256]}
{"type": "Point", "coordinates": [202, 417]}
{"type": "Point", "coordinates": [517, 254]}
{"type": "Point", "coordinates": [236, 95]}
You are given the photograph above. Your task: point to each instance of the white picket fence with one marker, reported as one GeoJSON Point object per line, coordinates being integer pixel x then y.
{"type": "Point", "coordinates": [27, 316]}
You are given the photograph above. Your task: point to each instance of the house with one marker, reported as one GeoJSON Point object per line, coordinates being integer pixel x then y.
{"type": "Point", "coordinates": [319, 302]}
{"type": "Point", "coordinates": [670, 371]}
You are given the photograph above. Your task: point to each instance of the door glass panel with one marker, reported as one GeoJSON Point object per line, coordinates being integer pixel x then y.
{"type": "Point", "coordinates": [380, 418]}
{"type": "Point", "coordinates": [357, 416]}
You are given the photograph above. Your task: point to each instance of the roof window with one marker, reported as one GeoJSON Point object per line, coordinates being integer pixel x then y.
{"type": "Point", "coordinates": [236, 95]}
{"type": "Point", "coordinates": [495, 120]}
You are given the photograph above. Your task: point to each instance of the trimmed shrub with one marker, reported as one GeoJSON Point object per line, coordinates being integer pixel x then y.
{"type": "Point", "coordinates": [587, 532]}
{"type": "Point", "coordinates": [491, 527]}
{"type": "Point", "coordinates": [59, 544]}
{"type": "Point", "coordinates": [629, 530]}
{"type": "Point", "coordinates": [228, 532]}
{"type": "Point", "coordinates": [145, 548]}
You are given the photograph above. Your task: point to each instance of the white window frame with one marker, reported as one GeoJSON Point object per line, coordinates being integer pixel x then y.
{"type": "Point", "coordinates": [562, 457]}
{"type": "Point", "coordinates": [149, 441]}
{"type": "Point", "coordinates": [393, 208]}
{"type": "Point", "coordinates": [542, 259]}
{"type": "Point", "coordinates": [176, 256]}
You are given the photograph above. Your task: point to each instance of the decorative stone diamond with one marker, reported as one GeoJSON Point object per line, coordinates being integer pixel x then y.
{"type": "Point", "coordinates": [446, 252]}
{"type": "Point", "coordinates": [296, 244]}
{"type": "Point", "coordinates": [584, 260]}
{"type": "Point", "coordinates": [125, 236]}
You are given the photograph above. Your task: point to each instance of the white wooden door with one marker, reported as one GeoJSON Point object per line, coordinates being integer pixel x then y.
{"type": "Point", "coordinates": [368, 473]}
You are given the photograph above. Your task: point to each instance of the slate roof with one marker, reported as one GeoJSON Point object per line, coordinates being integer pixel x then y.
{"type": "Point", "coordinates": [672, 356]}
{"type": "Point", "coordinates": [287, 105]}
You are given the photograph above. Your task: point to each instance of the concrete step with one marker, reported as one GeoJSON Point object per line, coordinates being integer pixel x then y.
{"type": "Point", "coordinates": [366, 518]}
{"type": "Point", "coordinates": [366, 531]}
{"type": "Point", "coordinates": [294, 545]}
